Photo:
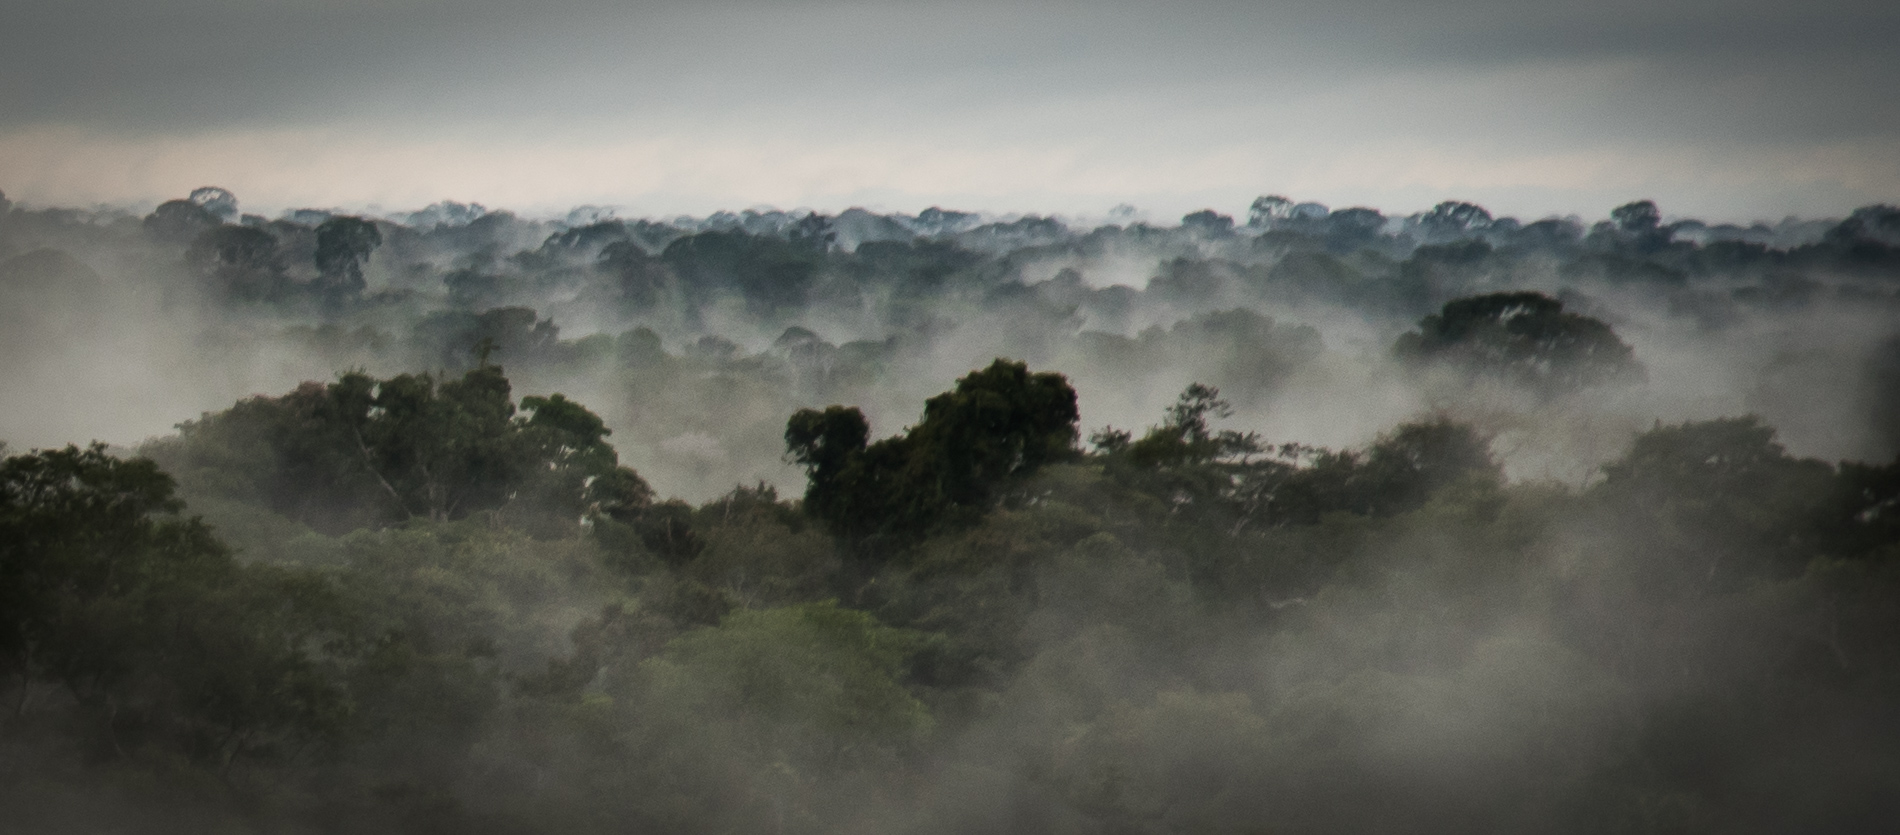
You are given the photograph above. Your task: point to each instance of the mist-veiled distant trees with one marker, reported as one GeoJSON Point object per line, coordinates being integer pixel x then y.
{"type": "Point", "coordinates": [1208, 222]}
{"type": "Point", "coordinates": [640, 280]}
{"type": "Point", "coordinates": [178, 221]}
{"type": "Point", "coordinates": [1634, 229]}
{"type": "Point", "coordinates": [1522, 338]}
{"type": "Point", "coordinates": [1452, 220]}
{"type": "Point", "coordinates": [1636, 218]}
{"type": "Point", "coordinates": [769, 272]}
{"type": "Point", "coordinates": [343, 245]}
{"type": "Point", "coordinates": [241, 262]}
{"type": "Point", "coordinates": [459, 339]}
{"type": "Point", "coordinates": [1348, 230]}
{"type": "Point", "coordinates": [1267, 210]}
{"type": "Point", "coordinates": [999, 423]}
{"type": "Point", "coordinates": [220, 202]}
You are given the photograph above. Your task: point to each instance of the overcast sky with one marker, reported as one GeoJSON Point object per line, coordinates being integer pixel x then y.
{"type": "Point", "coordinates": [1723, 110]}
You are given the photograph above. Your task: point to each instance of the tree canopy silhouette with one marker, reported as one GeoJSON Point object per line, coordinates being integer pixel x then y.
{"type": "Point", "coordinates": [999, 423]}
{"type": "Point", "coordinates": [1524, 338]}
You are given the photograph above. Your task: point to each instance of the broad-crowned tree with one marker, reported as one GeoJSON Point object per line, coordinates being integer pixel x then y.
{"type": "Point", "coordinates": [998, 424]}
{"type": "Point", "coordinates": [1523, 338]}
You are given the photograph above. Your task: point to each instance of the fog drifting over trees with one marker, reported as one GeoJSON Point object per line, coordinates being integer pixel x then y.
{"type": "Point", "coordinates": [1295, 519]}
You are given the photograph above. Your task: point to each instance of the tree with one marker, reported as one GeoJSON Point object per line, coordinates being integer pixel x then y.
{"type": "Point", "coordinates": [160, 639]}
{"type": "Point", "coordinates": [442, 450]}
{"type": "Point", "coordinates": [456, 338]}
{"type": "Point", "coordinates": [179, 221]}
{"type": "Point", "coordinates": [641, 279]}
{"type": "Point", "coordinates": [1348, 230]}
{"type": "Point", "coordinates": [367, 451]}
{"type": "Point", "coordinates": [1404, 467]}
{"type": "Point", "coordinates": [1719, 502]}
{"type": "Point", "coordinates": [829, 444]}
{"type": "Point", "coordinates": [999, 424]}
{"type": "Point", "coordinates": [1523, 338]}
{"type": "Point", "coordinates": [771, 273]}
{"type": "Point", "coordinates": [1268, 210]}
{"type": "Point", "coordinates": [1185, 437]}
{"type": "Point", "coordinates": [1638, 218]}
{"type": "Point", "coordinates": [221, 203]}
{"type": "Point", "coordinates": [814, 231]}
{"type": "Point", "coordinates": [1208, 222]}
{"type": "Point", "coordinates": [241, 262]}
{"type": "Point", "coordinates": [75, 525]}
{"type": "Point", "coordinates": [1234, 480]}
{"type": "Point", "coordinates": [343, 245]}
{"type": "Point", "coordinates": [1452, 220]}
{"type": "Point", "coordinates": [1635, 227]}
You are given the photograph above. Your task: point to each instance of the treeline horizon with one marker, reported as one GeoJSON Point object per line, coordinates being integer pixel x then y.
{"type": "Point", "coordinates": [883, 310]}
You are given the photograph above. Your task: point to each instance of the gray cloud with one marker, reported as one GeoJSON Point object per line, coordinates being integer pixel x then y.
{"type": "Point", "coordinates": [136, 65]}
{"type": "Point", "coordinates": [1744, 79]}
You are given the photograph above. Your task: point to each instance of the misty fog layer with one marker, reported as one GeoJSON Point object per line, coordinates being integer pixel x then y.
{"type": "Point", "coordinates": [120, 327]}
{"type": "Point", "coordinates": [1314, 520]}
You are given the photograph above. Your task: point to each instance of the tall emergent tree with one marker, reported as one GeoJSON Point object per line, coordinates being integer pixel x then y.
{"type": "Point", "coordinates": [998, 424]}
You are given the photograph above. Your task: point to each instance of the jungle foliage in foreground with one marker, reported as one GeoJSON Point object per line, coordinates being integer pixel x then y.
{"type": "Point", "coordinates": [416, 605]}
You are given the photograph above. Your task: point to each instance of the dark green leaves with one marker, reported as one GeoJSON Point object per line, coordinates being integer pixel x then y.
{"type": "Point", "coordinates": [363, 451]}
{"type": "Point", "coordinates": [999, 423]}
{"type": "Point", "coordinates": [158, 638]}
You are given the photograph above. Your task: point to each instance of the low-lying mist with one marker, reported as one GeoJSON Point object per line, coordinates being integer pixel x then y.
{"type": "Point", "coordinates": [120, 327]}
{"type": "Point", "coordinates": [1309, 521]}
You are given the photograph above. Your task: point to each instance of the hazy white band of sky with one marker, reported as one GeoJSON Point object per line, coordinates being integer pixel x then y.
{"type": "Point", "coordinates": [1722, 110]}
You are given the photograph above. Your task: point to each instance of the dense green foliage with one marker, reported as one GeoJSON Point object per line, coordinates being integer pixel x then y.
{"type": "Point", "coordinates": [131, 630]}
{"type": "Point", "coordinates": [1000, 424]}
{"type": "Point", "coordinates": [363, 451]}
{"type": "Point", "coordinates": [1189, 631]}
